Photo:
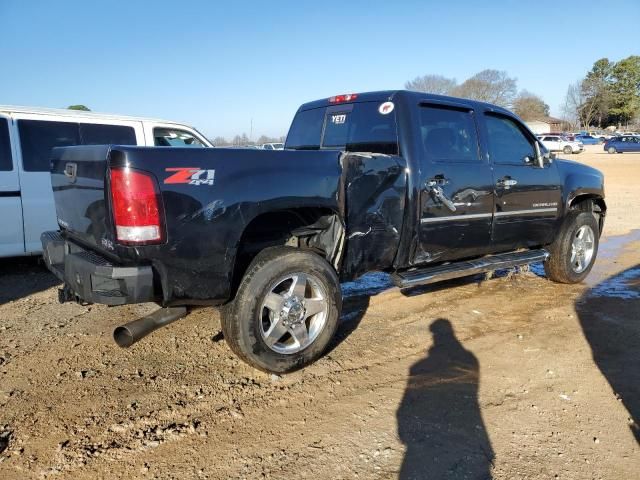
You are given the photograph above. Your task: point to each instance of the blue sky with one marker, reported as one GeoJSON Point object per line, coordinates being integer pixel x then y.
{"type": "Point", "coordinates": [218, 65]}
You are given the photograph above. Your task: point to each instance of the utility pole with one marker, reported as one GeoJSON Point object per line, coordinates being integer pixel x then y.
{"type": "Point", "coordinates": [251, 131]}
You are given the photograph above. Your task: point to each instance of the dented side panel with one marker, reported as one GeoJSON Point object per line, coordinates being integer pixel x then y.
{"type": "Point", "coordinates": [375, 197]}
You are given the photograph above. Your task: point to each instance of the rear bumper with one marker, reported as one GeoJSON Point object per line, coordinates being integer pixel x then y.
{"type": "Point", "coordinates": [93, 278]}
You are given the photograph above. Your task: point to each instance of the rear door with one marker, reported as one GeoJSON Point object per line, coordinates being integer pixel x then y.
{"type": "Point", "coordinates": [39, 134]}
{"type": "Point", "coordinates": [456, 189]}
{"type": "Point", "coordinates": [528, 198]}
{"type": "Point", "coordinates": [11, 233]}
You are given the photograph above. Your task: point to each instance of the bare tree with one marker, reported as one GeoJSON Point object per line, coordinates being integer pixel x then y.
{"type": "Point", "coordinates": [220, 142]}
{"type": "Point", "coordinates": [577, 106]}
{"type": "Point", "coordinates": [530, 106]}
{"type": "Point", "coordinates": [432, 84]}
{"type": "Point", "coordinates": [492, 86]}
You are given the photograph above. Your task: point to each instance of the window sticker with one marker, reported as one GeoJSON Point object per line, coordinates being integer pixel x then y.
{"type": "Point", "coordinates": [386, 108]}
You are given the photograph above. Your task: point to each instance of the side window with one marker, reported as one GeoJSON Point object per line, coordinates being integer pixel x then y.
{"type": "Point", "coordinates": [449, 134]}
{"type": "Point", "coordinates": [96, 134]}
{"type": "Point", "coordinates": [172, 137]}
{"type": "Point", "coordinates": [6, 164]}
{"type": "Point", "coordinates": [38, 137]}
{"type": "Point", "coordinates": [507, 142]}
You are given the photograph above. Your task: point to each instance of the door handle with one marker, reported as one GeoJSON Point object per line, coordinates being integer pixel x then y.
{"type": "Point", "coordinates": [437, 192]}
{"type": "Point", "coordinates": [506, 182]}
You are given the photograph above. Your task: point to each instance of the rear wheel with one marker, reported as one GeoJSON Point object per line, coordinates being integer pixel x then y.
{"type": "Point", "coordinates": [611, 150]}
{"type": "Point", "coordinates": [567, 149]}
{"type": "Point", "coordinates": [574, 250]}
{"type": "Point", "coordinates": [286, 310]}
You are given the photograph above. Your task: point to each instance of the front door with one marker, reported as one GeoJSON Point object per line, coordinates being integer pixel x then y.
{"type": "Point", "coordinates": [456, 190]}
{"type": "Point", "coordinates": [11, 233]}
{"type": "Point", "coordinates": [528, 200]}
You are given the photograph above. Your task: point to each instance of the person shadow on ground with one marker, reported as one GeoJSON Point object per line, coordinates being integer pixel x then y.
{"type": "Point", "coordinates": [609, 314]}
{"type": "Point", "coordinates": [439, 419]}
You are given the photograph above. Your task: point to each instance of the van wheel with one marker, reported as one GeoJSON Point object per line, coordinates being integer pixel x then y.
{"type": "Point", "coordinates": [612, 150]}
{"type": "Point", "coordinates": [567, 149]}
{"type": "Point", "coordinates": [574, 250]}
{"type": "Point", "coordinates": [286, 310]}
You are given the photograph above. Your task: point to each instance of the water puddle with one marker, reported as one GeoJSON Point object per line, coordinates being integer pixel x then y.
{"type": "Point", "coordinates": [369, 285]}
{"type": "Point", "coordinates": [623, 285]}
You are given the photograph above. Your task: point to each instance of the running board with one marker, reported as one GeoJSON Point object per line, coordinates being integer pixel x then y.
{"type": "Point", "coordinates": [438, 273]}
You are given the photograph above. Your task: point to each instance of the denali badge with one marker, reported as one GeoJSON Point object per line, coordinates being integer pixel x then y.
{"type": "Point", "coordinates": [190, 175]}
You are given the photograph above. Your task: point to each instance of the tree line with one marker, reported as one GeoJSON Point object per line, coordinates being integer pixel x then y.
{"type": "Point", "coordinates": [243, 140]}
{"type": "Point", "coordinates": [491, 86]}
{"type": "Point", "coordinates": [608, 95]}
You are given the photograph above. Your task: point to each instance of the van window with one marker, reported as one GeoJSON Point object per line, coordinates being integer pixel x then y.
{"type": "Point", "coordinates": [98, 134]}
{"type": "Point", "coordinates": [171, 137]}
{"type": "Point", "coordinates": [6, 164]}
{"type": "Point", "coordinates": [449, 134]}
{"type": "Point", "coordinates": [358, 127]}
{"type": "Point", "coordinates": [38, 137]}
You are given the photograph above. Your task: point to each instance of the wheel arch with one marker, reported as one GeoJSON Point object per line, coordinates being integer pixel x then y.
{"type": "Point", "coordinates": [590, 202]}
{"type": "Point", "coordinates": [312, 228]}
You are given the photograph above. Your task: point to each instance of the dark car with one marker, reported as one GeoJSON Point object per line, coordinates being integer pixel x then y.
{"type": "Point", "coordinates": [424, 187]}
{"type": "Point", "coordinates": [622, 144]}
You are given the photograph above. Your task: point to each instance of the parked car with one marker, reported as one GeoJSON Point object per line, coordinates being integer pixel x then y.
{"type": "Point", "coordinates": [556, 143]}
{"type": "Point", "coordinates": [588, 140]}
{"type": "Point", "coordinates": [422, 186]}
{"type": "Point", "coordinates": [622, 144]}
{"type": "Point", "coordinates": [273, 146]}
{"type": "Point", "coordinates": [27, 136]}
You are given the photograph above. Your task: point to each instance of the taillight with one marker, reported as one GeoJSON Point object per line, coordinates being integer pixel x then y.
{"type": "Point", "coordinates": [343, 98]}
{"type": "Point", "coordinates": [136, 210]}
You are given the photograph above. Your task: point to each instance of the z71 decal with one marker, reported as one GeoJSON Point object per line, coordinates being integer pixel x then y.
{"type": "Point", "coordinates": [190, 176]}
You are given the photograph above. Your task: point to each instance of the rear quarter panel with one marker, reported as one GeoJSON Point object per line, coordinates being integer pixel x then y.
{"type": "Point", "coordinates": [205, 220]}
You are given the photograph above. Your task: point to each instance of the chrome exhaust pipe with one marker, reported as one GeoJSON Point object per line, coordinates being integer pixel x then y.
{"type": "Point", "coordinates": [129, 333]}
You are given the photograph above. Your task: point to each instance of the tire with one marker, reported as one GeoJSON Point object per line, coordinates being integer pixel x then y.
{"type": "Point", "coordinates": [567, 150]}
{"type": "Point", "coordinates": [611, 150]}
{"type": "Point", "coordinates": [265, 339]}
{"type": "Point", "coordinates": [564, 267]}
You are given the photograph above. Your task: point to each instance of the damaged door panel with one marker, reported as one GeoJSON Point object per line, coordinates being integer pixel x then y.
{"type": "Point", "coordinates": [375, 195]}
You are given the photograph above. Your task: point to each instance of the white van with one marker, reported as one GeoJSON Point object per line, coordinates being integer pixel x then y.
{"type": "Point", "coordinates": [27, 136]}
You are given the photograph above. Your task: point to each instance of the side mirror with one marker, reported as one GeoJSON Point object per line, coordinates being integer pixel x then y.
{"type": "Point", "coordinates": [539, 156]}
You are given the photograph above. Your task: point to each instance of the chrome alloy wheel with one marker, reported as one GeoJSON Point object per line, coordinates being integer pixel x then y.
{"type": "Point", "coordinates": [582, 248]}
{"type": "Point", "coordinates": [293, 313]}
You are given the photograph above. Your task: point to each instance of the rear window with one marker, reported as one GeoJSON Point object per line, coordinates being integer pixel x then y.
{"type": "Point", "coordinates": [39, 137]}
{"type": "Point", "coordinates": [5, 147]}
{"type": "Point", "coordinates": [358, 127]}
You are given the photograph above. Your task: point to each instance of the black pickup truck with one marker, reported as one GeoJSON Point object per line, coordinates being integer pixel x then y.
{"type": "Point", "coordinates": [422, 186]}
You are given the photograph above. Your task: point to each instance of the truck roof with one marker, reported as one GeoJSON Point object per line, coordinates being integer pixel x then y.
{"type": "Point", "coordinates": [63, 112]}
{"type": "Point", "coordinates": [385, 95]}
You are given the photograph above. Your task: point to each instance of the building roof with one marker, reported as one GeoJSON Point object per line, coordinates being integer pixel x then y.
{"type": "Point", "coordinates": [77, 113]}
{"type": "Point", "coordinates": [549, 120]}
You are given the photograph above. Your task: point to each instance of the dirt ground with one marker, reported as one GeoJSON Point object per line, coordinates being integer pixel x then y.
{"type": "Point", "coordinates": [512, 377]}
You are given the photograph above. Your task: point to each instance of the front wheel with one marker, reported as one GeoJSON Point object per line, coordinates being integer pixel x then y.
{"type": "Point", "coordinates": [612, 150]}
{"type": "Point", "coordinates": [574, 250]}
{"type": "Point", "coordinates": [286, 310]}
{"type": "Point", "coordinates": [567, 150]}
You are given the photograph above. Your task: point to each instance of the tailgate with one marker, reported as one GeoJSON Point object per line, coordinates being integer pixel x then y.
{"type": "Point", "coordinates": [78, 181]}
